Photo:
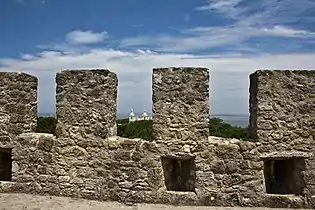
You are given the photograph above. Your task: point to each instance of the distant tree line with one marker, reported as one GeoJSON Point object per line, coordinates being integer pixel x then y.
{"type": "Point", "coordinates": [46, 125]}
{"type": "Point", "coordinates": [217, 127]}
{"type": "Point", "coordinates": [143, 129]}
{"type": "Point", "coordinates": [138, 129]}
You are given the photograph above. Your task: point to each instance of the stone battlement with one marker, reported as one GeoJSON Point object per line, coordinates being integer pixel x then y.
{"type": "Point", "coordinates": [182, 165]}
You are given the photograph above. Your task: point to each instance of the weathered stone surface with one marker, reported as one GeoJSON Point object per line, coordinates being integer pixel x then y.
{"type": "Point", "coordinates": [221, 172]}
{"type": "Point", "coordinates": [86, 103]}
{"type": "Point", "coordinates": [180, 105]}
{"type": "Point", "coordinates": [134, 174]}
{"type": "Point", "coordinates": [282, 107]}
{"type": "Point", "coordinates": [85, 162]}
{"type": "Point", "coordinates": [18, 106]}
{"type": "Point", "coordinates": [32, 161]}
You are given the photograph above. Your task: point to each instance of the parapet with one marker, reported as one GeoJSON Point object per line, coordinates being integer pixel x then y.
{"type": "Point", "coordinates": [282, 108]}
{"type": "Point", "coordinates": [18, 105]}
{"type": "Point", "coordinates": [180, 104]}
{"type": "Point", "coordinates": [86, 103]}
{"type": "Point", "coordinates": [183, 166]}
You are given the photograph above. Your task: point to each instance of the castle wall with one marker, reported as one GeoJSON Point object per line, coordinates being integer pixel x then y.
{"type": "Point", "coordinates": [18, 106]}
{"type": "Point", "coordinates": [86, 103]}
{"type": "Point", "coordinates": [180, 105]}
{"type": "Point", "coordinates": [283, 118]}
{"type": "Point", "coordinates": [110, 169]}
{"type": "Point", "coordinates": [105, 169]}
{"type": "Point", "coordinates": [229, 172]}
{"type": "Point", "coordinates": [34, 164]}
{"type": "Point", "coordinates": [130, 170]}
{"type": "Point", "coordinates": [184, 166]}
{"type": "Point", "coordinates": [282, 108]}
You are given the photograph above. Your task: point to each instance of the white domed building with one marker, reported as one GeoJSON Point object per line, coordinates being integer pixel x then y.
{"type": "Point", "coordinates": [133, 118]}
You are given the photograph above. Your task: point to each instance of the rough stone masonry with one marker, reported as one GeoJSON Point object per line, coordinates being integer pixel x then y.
{"type": "Point", "coordinates": [86, 103]}
{"type": "Point", "coordinates": [182, 165]}
{"type": "Point", "coordinates": [282, 107]}
{"type": "Point", "coordinates": [180, 105]}
{"type": "Point", "coordinates": [18, 106]}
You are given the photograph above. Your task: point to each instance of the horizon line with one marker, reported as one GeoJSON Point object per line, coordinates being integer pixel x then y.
{"type": "Point", "coordinates": [126, 113]}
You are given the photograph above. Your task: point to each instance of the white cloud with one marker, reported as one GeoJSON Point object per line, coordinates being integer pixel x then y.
{"type": "Point", "coordinates": [25, 1]}
{"type": "Point", "coordinates": [229, 81]}
{"type": "Point", "coordinates": [229, 73]}
{"type": "Point", "coordinates": [27, 57]}
{"type": "Point", "coordinates": [85, 37]}
{"type": "Point", "coordinates": [227, 7]}
{"type": "Point", "coordinates": [286, 32]}
{"type": "Point", "coordinates": [249, 19]}
{"type": "Point", "coordinates": [261, 12]}
{"type": "Point", "coordinates": [222, 5]}
{"type": "Point", "coordinates": [205, 38]}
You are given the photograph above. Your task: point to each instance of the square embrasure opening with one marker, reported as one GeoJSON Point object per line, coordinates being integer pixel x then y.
{"type": "Point", "coordinates": [284, 176]}
{"type": "Point", "coordinates": [5, 164]}
{"type": "Point", "coordinates": [179, 173]}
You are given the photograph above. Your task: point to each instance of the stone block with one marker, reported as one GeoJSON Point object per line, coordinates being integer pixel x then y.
{"type": "Point", "coordinates": [180, 104]}
{"type": "Point", "coordinates": [86, 103]}
{"type": "Point", "coordinates": [281, 102]}
{"type": "Point", "coordinates": [18, 106]}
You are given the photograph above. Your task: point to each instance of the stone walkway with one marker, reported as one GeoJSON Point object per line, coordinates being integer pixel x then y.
{"type": "Point", "coordinates": [34, 202]}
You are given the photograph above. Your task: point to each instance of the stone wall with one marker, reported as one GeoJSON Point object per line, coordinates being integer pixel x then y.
{"type": "Point", "coordinates": [131, 170]}
{"type": "Point", "coordinates": [110, 169]}
{"type": "Point", "coordinates": [86, 103]}
{"type": "Point", "coordinates": [180, 105]}
{"type": "Point", "coordinates": [183, 166]}
{"type": "Point", "coordinates": [283, 119]}
{"type": "Point", "coordinates": [228, 172]}
{"type": "Point", "coordinates": [18, 106]}
{"type": "Point", "coordinates": [106, 169]}
{"type": "Point", "coordinates": [34, 161]}
{"type": "Point", "coordinates": [282, 108]}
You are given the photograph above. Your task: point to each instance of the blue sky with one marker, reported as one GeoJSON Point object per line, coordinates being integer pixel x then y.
{"type": "Point", "coordinates": [233, 38]}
